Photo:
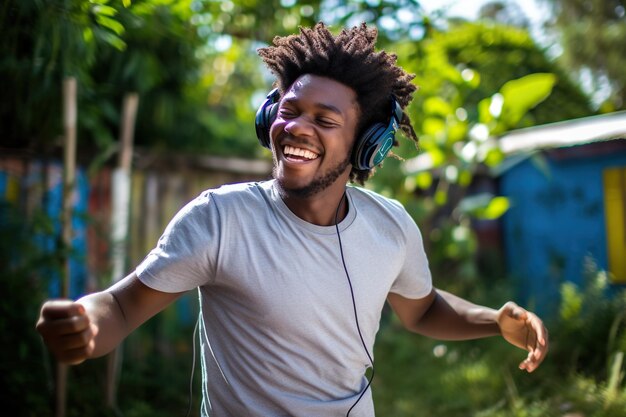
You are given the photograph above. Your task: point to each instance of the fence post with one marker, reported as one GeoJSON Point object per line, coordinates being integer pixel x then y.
{"type": "Point", "coordinates": [119, 225]}
{"type": "Point", "coordinates": [69, 175]}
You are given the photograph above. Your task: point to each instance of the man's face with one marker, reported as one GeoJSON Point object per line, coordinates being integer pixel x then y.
{"type": "Point", "coordinates": [313, 135]}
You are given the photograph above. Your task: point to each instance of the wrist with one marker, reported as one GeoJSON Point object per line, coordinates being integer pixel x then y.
{"type": "Point", "coordinates": [486, 316]}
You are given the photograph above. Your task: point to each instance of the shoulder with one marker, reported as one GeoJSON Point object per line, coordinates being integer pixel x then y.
{"type": "Point", "coordinates": [365, 199]}
{"type": "Point", "coordinates": [243, 195]}
{"type": "Point", "coordinates": [240, 200]}
{"type": "Point", "coordinates": [382, 212]}
{"type": "Point", "coordinates": [240, 189]}
{"type": "Point", "coordinates": [231, 193]}
{"type": "Point", "coordinates": [215, 201]}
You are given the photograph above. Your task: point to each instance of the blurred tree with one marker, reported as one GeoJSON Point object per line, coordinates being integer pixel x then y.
{"type": "Point", "coordinates": [500, 53]}
{"type": "Point", "coordinates": [466, 99]}
{"type": "Point", "coordinates": [505, 13]}
{"type": "Point", "coordinates": [41, 43]}
{"type": "Point", "coordinates": [395, 19]}
{"type": "Point", "coordinates": [592, 34]}
{"type": "Point", "coordinates": [192, 61]}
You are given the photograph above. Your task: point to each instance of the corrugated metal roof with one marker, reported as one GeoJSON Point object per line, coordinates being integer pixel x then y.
{"type": "Point", "coordinates": [567, 133]}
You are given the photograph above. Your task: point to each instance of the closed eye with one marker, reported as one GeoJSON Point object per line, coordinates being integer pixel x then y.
{"type": "Point", "coordinates": [325, 122]}
{"type": "Point", "coordinates": [286, 113]}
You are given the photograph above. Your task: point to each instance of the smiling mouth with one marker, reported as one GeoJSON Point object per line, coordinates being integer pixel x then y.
{"type": "Point", "coordinates": [298, 154]}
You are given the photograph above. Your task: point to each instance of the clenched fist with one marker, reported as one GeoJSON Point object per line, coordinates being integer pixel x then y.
{"type": "Point", "coordinates": [66, 329]}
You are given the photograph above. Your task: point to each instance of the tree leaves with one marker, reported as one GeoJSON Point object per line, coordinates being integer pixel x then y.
{"type": "Point", "coordinates": [523, 94]}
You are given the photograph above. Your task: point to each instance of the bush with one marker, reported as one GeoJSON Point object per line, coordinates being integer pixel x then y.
{"type": "Point", "coordinates": [581, 377]}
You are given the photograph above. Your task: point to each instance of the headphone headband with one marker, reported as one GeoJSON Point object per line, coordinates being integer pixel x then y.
{"type": "Point", "coordinates": [370, 148]}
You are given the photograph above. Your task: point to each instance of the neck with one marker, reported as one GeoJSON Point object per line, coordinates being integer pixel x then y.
{"type": "Point", "coordinates": [323, 209]}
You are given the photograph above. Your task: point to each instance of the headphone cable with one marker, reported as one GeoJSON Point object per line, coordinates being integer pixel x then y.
{"type": "Point", "coordinates": [193, 365]}
{"type": "Point", "coordinates": [356, 317]}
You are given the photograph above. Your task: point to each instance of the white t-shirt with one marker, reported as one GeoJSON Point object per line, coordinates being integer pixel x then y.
{"type": "Point", "coordinates": [278, 329]}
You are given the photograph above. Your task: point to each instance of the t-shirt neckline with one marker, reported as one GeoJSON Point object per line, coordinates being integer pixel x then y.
{"type": "Point", "coordinates": [326, 230]}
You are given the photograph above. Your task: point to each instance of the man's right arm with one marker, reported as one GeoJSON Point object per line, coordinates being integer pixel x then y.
{"type": "Point", "coordinates": [95, 324]}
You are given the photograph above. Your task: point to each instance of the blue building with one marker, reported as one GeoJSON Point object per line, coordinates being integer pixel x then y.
{"type": "Point", "coordinates": [566, 183]}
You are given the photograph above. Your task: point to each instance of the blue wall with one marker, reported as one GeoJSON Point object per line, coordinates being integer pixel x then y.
{"type": "Point", "coordinates": [52, 195]}
{"type": "Point", "coordinates": [556, 223]}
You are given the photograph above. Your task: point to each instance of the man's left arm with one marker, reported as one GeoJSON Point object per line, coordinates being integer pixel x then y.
{"type": "Point", "coordinates": [442, 315]}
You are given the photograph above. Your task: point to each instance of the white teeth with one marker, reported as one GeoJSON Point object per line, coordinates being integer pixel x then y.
{"type": "Point", "coordinates": [290, 150]}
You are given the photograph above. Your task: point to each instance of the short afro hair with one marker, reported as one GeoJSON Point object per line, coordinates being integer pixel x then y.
{"type": "Point", "coordinates": [349, 58]}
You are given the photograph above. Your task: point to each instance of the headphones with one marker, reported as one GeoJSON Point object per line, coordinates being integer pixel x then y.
{"type": "Point", "coordinates": [369, 149]}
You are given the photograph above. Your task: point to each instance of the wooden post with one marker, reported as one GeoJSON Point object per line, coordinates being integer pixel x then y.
{"type": "Point", "coordinates": [69, 172]}
{"type": "Point", "coordinates": [119, 224]}
{"type": "Point", "coordinates": [69, 175]}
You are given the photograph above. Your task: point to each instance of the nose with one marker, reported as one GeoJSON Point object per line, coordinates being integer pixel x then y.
{"type": "Point", "coordinates": [298, 126]}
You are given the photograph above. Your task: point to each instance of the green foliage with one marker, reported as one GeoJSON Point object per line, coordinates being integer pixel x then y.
{"type": "Point", "coordinates": [582, 375]}
{"type": "Point", "coordinates": [193, 63]}
{"type": "Point", "coordinates": [456, 148]}
{"type": "Point", "coordinates": [591, 34]}
{"type": "Point", "coordinates": [477, 81]}
{"type": "Point", "coordinates": [599, 315]}
{"type": "Point", "coordinates": [43, 42]}
{"type": "Point", "coordinates": [517, 98]}
{"type": "Point", "coordinates": [484, 206]}
{"type": "Point", "coordinates": [500, 53]}
{"type": "Point", "coordinates": [24, 265]}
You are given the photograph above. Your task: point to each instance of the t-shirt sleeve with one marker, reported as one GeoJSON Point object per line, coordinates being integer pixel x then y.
{"type": "Point", "coordinates": [414, 280]}
{"type": "Point", "coordinates": [184, 257]}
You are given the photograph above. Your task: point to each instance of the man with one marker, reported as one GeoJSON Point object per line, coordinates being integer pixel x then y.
{"type": "Point", "coordinates": [293, 273]}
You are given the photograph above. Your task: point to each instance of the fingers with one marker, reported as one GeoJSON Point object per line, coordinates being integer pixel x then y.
{"type": "Point", "coordinates": [524, 329]}
{"type": "Point", "coordinates": [539, 328]}
{"type": "Point", "coordinates": [535, 358]}
{"type": "Point", "coordinates": [66, 331]}
{"type": "Point", "coordinates": [537, 344]}
{"type": "Point", "coordinates": [76, 348]}
{"type": "Point", "coordinates": [59, 309]}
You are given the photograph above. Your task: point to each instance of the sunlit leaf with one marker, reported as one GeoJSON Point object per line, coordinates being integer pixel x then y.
{"type": "Point", "coordinates": [457, 131]}
{"type": "Point", "coordinates": [437, 106]}
{"type": "Point", "coordinates": [437, 156]}
{"type": "Point", "coordinates": [475, 202]}
{"type": "Point", "coordinates": [113, 40]}
{"type": "Point", "coordinates": [87, 35]}
{"type": "Point", "coordinates": [484, 206]}
{"type": "Point", "coordinates": [523, 94]}
{"type": "Point", "coordinates": [423, 180]}
{"type": "Point", "coordinates": [465, 178]}
{"type": "Point", "coordinates": [496, 208]}
{"type": "Point", "coordinates": [441, 197]}
{"type": "Point", "coordinates": [109, 23]}
{"type": "Point", "coordinates": [103, 10]}
{"type": "Point", "coordinates": [484, 115]}
{"type": "Point", "coordinates": [571, 301]}
{"type": "Point", "coordinates": [494, 157]}
{"type": "Point", "coordinates": [433, 126]}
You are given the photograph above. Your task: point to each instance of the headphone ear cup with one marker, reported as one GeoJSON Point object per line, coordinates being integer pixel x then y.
{"type": "Point", "coordinates": [365, 147]}
{"type": "Point", "coordinates": [373, 145]}
{"type": "Point", "coordinates": [265, 116]}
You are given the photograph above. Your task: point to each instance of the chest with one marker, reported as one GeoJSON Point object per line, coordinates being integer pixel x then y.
{"type": "Point", "coordinates": [285, 278]}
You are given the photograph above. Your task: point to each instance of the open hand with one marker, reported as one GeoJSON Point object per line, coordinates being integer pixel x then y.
{"type": "Point", "coordinates": [525, 330]}
{"type": "Point", "coordinates": [67, 331]}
